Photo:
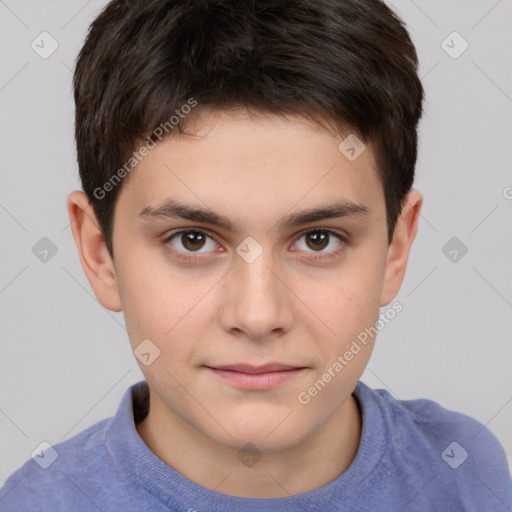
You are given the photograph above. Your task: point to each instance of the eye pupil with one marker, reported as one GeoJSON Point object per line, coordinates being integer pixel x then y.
{"type": "Point", "coordinates": [193, 240]}
{"type": "Point", "coordinates": [319, 240]}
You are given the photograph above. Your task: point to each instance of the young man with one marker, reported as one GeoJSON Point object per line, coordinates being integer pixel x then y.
{"type": "Point", "coordinates": [248, 205]}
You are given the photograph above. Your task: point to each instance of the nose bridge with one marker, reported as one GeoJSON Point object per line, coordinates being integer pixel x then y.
{"type": "Point", "coordinates": [258, 305]}
{"type": "Point", "coordinates": [255, 267]}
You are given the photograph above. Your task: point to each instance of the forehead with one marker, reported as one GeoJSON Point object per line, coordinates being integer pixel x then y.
{"type": "Point", "coordinates": [241, 158]}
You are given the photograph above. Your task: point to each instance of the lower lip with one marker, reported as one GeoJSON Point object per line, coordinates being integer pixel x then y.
{"type": "Point", "coordinates": [256, 380]}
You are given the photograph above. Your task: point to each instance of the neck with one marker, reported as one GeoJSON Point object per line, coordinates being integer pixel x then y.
{"type": "Point", "coordinates": [313, 463]}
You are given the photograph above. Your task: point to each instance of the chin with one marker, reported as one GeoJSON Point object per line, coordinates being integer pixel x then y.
{"type": "Point", "coordinates": [266, 433]}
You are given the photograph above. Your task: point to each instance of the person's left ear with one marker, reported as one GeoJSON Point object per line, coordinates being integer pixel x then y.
{"type": "Point", "coordinates": [398, 251]}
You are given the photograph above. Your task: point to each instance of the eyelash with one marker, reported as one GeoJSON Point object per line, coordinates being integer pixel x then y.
{"type": "Point", "coordinates": [326, 256]}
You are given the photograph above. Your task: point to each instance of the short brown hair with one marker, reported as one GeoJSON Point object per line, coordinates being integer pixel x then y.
{"type": "Point", "coordinates": [350, 62]}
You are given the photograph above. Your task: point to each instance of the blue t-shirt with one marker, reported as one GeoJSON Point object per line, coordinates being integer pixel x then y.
{"type": "Point", "coordinates": [413, 456]}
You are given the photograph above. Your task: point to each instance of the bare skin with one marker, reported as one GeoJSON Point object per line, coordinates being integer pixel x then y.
{"type": "Point", "coordinates": [301, 302]}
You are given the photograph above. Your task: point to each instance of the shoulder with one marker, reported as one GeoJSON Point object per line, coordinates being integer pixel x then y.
{"type": "Point", "coordinates": [436, 425]}
{"type": "Point", "coordinates": [459, 451]}
{"type": "Point", "coordinates": [66, 474]}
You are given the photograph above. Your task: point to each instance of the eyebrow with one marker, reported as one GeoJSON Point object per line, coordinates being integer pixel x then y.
{"type": "Point", "coordinates": [176, 210]}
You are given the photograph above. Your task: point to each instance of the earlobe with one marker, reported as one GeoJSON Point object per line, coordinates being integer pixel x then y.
{"type": "Point", "coordinates": [398, 251]}
{"type": "Point", "coordinates": [92, 250]}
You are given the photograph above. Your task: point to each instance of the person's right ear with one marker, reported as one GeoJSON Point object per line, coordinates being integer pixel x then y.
{"type": "Point", "coordinates": [92, 250]}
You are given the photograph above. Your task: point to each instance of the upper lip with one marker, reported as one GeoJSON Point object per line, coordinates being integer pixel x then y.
{"type": "Point", "coordinates": [247, 368]}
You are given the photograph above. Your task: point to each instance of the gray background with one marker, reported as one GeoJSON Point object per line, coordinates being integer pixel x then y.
{"type": "Point", "coordinates": [66, 361]}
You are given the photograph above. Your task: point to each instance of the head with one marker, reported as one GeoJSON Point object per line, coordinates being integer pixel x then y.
{"type": "Point", "coordinates": [234, 121]}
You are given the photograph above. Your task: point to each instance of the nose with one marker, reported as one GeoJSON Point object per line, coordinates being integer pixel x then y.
{"type": "Point", "coordinates": [258, 304]}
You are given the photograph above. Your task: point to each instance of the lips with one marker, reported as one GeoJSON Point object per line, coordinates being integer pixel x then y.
{"type": "Point", "coordinates": [246, 376]}
{"type": "Point", "coordinates": [247, 368]}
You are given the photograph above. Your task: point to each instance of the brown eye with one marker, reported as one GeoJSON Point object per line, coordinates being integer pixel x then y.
{"type": "Point", "coordinates": [325, 242]}
{"type": "Point", "coordinates": [191, 241]}
{"type": "Point", "coordinates": [317, 240]}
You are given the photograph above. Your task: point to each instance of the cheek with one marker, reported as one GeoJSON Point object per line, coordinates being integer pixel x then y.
{"type": "Point", "coordinates": [351, 301]}
{"type": "Point", "coordinates": [153, 300]}
{"type": "Point", "coordinates": [165, 305]}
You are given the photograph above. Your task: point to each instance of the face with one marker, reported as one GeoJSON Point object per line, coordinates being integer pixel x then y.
{"type": "Point", "coordinates": [220, 262]}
